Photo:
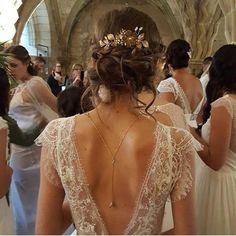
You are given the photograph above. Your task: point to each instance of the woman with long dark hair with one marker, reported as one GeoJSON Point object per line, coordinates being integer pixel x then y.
{"type": "Point", "coordinates": [182, 88]}
{"type": "Point", "coordinates": [216, 182]}
{"type": "Point", "coordinates": [31, 94]}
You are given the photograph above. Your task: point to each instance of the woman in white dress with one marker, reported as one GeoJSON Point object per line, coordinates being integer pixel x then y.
{"type": "Point", "coordinates": [9, 130]}
{"type": "Point", "coordinates": [30, 95]}
{"type": "Point", "coordinates": [182, 88]}
{"type": "Point", "coordinates": [216, 183]}
{"type": "Point", "coordinates": [116, 166]}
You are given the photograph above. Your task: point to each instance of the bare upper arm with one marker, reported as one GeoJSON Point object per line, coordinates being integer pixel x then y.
{"type": "Point", "coordinates": [183, 215]}
{"type": "Point", "coordinates": [163, 118]}
{"type": "Point", "coordinates": [50, 205]}
{"type": "Point", "coordinates": [5, 170]}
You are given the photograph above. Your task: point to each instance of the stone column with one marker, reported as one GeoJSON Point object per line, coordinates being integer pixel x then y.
{"type": "Point", "coordinates": [228, 8]}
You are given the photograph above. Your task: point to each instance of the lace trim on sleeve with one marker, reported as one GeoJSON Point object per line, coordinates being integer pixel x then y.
{"type": "Point", "coordinates": [175, 113]}
{"type": "Point", "coordinates": [166, 86]}
{"type": "Point", "coordinates": [48, 139]}
{"type": "Point", "coordinates": [224, 102]}
{"type": "Point", "coordinates": [184, 152]}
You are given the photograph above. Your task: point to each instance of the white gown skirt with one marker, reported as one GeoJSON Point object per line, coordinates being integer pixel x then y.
{"type": "Point", "coordinates": [216, 201]}
{"type": "Point", "coordinates": [25, 187]}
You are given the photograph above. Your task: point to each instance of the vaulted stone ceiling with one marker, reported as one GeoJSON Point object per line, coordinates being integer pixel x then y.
{"type": "Point", "coordinates": [206, 24]}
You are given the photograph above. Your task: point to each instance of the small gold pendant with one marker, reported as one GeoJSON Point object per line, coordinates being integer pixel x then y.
{"type": "Point", "coordinates": [112, 204]}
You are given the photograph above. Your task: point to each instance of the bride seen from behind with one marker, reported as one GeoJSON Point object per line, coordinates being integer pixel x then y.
{"type": "Point", "coordinates": [117, 164]}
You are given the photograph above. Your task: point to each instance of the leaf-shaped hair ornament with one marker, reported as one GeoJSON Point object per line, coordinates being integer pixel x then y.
{"type": "Point", "coordinates": [125, 38]}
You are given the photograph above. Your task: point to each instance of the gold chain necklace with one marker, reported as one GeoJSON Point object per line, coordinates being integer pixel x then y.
{"type": "Point", "coordinates": [113, 155]}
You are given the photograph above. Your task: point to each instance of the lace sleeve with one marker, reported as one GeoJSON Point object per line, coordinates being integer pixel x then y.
{"type": "Point", "coordinates": [41, 92]}
{"type": "Point", "coordinates": [224, 102]}
{"type": "Point", "coordinates": [184, 154]}
{"type": "Point", "coordinates": [166, 86]}
{"type": "Point", "coordinates": [48, 140]}
{"type": "Point", "coordinates": [176, 115]}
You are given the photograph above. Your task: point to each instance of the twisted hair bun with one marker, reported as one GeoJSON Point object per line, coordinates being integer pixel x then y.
{"type": "Point", "coordinates": [177, 54]}
{"type": "Point", "coordinates": [121, 67]}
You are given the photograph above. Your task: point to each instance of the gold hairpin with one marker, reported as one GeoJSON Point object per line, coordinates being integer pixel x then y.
{"type": "Point", "coordinates": [125, 38]}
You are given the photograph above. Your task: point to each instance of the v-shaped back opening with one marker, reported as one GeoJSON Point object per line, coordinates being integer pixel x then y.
{"type": "Point", "coordinates": [197, 108]}
{"type": "Point", "coordinates": [142, 184]}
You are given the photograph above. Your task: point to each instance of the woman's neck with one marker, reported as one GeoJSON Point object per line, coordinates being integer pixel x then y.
{"type": "Point", "coordinates": [120, 104]}
{"type": "Point", "coordinates": [25, 78]}
{"type": "Point", "coordinates": [180, 71]}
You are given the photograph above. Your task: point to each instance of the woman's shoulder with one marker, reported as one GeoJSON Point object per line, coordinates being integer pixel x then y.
{"type": "Point", "coordinates": [61, 123]}
{"type": "Point", "coordinates": [36, 80]}
{"type": "Point", "coordinates": [226, 101]}
{"type": "Point", "coordinates": [179, 138]}
{"type": "Point", "coordinates": [169, 80]}
{"type": "Point", "coordinates": [56, 130]}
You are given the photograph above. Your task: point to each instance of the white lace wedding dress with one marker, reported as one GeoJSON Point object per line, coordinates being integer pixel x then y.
{"type": "Point", "coordinates": [6, 218]}
{"type": "Point", "coordinates": [216, 190]}
{"type": "Point", "coordinates": [26, 107]}
{"type": "Point", "coordinates": [170, 85]}
{"type": "Point", "coordinates": [169, 172]}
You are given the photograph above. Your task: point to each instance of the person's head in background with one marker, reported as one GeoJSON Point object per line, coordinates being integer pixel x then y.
{"type": "Point", "coordinates": [39, 63]}
{"type": "Point", "coordinates": [58, 68]}
{"type": "Point", "coordinates": [76, 70]}
{"type": "Point", "coordinates": [206, 63]}
{"type": "Point", "coordinates": [69, 102]}
{"type": "Point", "coordinates": [19, 63]}
{"type": "Point", "coordinates": [123, 69]}
{"type": "Point", "coordinates": [178, 54]}
{"type": "Point", "coordinates": [4, 92]}
{"type": "Point", "coordinates": [222, 75]}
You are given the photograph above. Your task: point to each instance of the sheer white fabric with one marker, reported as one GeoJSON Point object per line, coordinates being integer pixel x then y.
{"type": "Point", "coordinates": [170, 85]}
{"type": "Point", "coordinates": [175, 113]}
{"type": "Point", "coordinates": [25, 160]}
{"type": "Point", "coordinates": [216, 190]}
{"type": "Point", "coordinates": [169, 173]}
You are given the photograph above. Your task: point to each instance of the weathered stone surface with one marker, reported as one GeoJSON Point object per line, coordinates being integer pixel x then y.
{"type": "Point", "coordinates": [66, 26]}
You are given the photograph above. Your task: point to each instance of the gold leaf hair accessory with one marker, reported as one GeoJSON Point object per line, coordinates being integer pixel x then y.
{"type": "Point", "coordinates": [125, 38]}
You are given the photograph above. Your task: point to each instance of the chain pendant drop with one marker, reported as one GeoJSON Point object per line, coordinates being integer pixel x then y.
{"type": "Point", "coordinates": [112, 204]}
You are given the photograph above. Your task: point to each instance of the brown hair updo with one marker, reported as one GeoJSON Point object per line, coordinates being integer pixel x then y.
{"type": "Point", "coordinates": [124, 69]}
{"type": "Point", "coordinates": [20, 53]}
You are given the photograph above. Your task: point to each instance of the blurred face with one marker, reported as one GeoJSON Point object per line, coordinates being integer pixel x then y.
{"type": "Point", "coordinates": [39, 66]}
{"type": "Point", "coordinates": [75, 71]}
{"type": "Point", "coordinates": [17, 69]}
{"type": "Point", "coordinates": [58, 67]}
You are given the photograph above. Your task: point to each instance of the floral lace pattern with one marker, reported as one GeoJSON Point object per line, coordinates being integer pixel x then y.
{"type": "Point", "coordinates": [175, 113]}
{"type": "Point", "coordinates": [172, 86]}
{"type": "Point", "coordinates": [169, 173]}
{"type": "Point", "coordinates": [229, 104]}
{"type": "Point", "coordinates": [226, 103]}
